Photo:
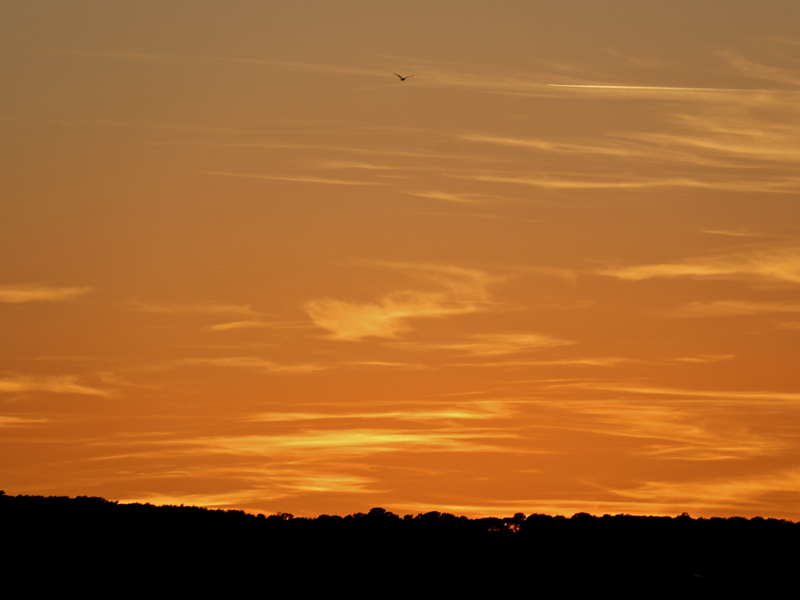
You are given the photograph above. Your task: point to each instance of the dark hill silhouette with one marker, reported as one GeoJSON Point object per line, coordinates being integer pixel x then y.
{"type": "Point", "coordinates": [59, 543]}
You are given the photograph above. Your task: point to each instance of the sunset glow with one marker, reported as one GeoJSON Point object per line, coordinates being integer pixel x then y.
{"type": "Point", "coordinates": [556, 270]}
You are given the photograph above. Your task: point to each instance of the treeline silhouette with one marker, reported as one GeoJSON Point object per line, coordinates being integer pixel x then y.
{"type": "Point", "coordinates": [92, 543]}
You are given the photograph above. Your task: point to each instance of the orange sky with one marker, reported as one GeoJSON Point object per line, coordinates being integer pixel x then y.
{"type": "Point", "coordinates": [557, 270]}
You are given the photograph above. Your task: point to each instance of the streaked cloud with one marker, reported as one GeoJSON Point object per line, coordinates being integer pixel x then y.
{"type": "Point", "coordinates": [18, 294]}
{"type": "Point", "coordinates": [240, 325]}
{"type": "Point", "coordinates": [353, 442]}
{"type": "Point", "coordinates": [629, 147]}
{"type": "Point", "coordinates": [705, 358]}
{"type": "Point", "coordinates": [676, 432]}
{"type": "Point", "coordinates": [56, 385]}
{"type": "Point", "coordinates": [387, 365]}
{"type": "Point", "coordinates": [717, 493]}
{"type": "Point", "coordinates": [349, 164]}
{"type": "Point", "coordinates": [492, 344]}
{"type": "Point", "coordinates": [788, 184]}
{"type": "Point", "coordinates": [734, 137]}
{"type": "Point", "coordinates": [455, 291]}
{"type": "Point", "coordinates": [542, 145]}
{"type": "Point", "coordinates": [257, 325]}
{"type": "Point", "coordinates": [322, 448]}
{"type": "Point", "coordinates": [602, 361]}
{"type": "Point", "coordinates": [297, 179]}
{"type": "Point", "coordinates": [244, 362]}
{"type": "Point", "coordinates": [285, 481]}
{"type": "Point", "coordinates": [469, 412]}
{"type": "Point", "coordinates": [386, 319]}
{"type": "Point", "coordinates": [772, 73]}
{"type": "Point", "coordinates": [777, 265]}
{"type": "Point", "coordinates": [210, 308]}
{"type": "Point", "coordinates": [265, 484]}
{"type": "Point", "coordinates": [568, 275]}
{"type": "Point", "coordinates": [450, 215]}
{"type": "Point", "coordinates": [210, 500]}
{"type": "Point", "coordinates": [412, 153]}
{"type": "Point", "coordinates": [734, 233]}
{"type": "Point", "coordinates": [657, 88]}
{"type": "Point", "coordinates": [738, 132]}
{"type": "Point", "coordinates": [6, 421]}
{"type": "Point", "coordinates": [449, 197]}
{"type": "Point", "coordinates": [548, 181]}
{"type": "Point", "coordinates": [733, 308]}
{"type": "Point", "coordinates": [719, 395]}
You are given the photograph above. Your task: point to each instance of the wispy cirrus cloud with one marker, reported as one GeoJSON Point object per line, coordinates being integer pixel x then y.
{"type": "Point", "coordinates": [203, 308]}
{"type": "Point", "coordinates": [350, 164]}
{"type": "Point", "coordinates": [298, 178]}
{"type": "Point", "coordinates": [775, 265]}
{"type": "Point", "coordinates": [449, 197]}
{"type": "Point", "coordinates": [320, 446]}
{"type": "Point", "coordinates": [386, 318]}
{"type": "Point", "coordinates": [732, 308]}
{"type": "Point", "coordinates": [735, 136]}
{"type": "Point", "coordinates": [600, 361]}
{"type": "Point", "coordinates": [455, 291]}
{"type": "Point", "coordinates": [243, 362]}
{"type": "Point", "coordinates": [705, 358]}
{"type": "Point", "coordinates": [654, 88]}
{"type": "Point", "coordinates": [734, 233]}
{"type": "Point", "coordinates": [493, 344]}
{"type": "Point", "coordinates": [253, 324]}
{"type": "Point", "coordinates": [353, 442]}
{"type": "Point", "coordinates": [271, 483]}
{"type": "Point", "coordinates": [241, 325]}
{"type": "Point", "coordinates": [7, 421]}
{"type": "Point", "coordinates": [718, 494]}
{"type": "Point", "coordinates": [719, 143]}
{"type": "Point", "coordinates": [786, 184]}
{"type": "Point", "coordinates": [18, 294]}
{"type": "Point", "coordinates": [384, 364]}
{"type": "Point", "coordinates": [55, 385]}
{"type": "Point", "coordinates": [556, 182]}
{"type": "Point", "coordinates": [760, 71]}
{"type": "Point", "coordinates": [727, 138]}
{"type": "Point", "coordinates": [627, 147]}
{"type": "Point", "coordinates": [784, 79]}
{"type": "Point", "coordinates": [480, 411]}
{"type": "Point", "coordinates": [328, 149]}
{"type": "Point", "coordinates": [450, 215]}
{"type": "Point", "coordinates": [545, 146]}
{"type": "Point", "coordinates": [676, 432]}
{"type": "Point", "coordinates": [708, 395]}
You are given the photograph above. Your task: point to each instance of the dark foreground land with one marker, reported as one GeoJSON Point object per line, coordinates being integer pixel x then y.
{"type": "Point", "coordinates": [97, 546]}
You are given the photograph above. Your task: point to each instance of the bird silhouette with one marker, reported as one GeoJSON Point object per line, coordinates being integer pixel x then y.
{"type": "Point", "coordinates": [403, 78]}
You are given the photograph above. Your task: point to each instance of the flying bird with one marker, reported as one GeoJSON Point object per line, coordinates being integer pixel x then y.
{"type": "Point", "coordinates": [403, 78]}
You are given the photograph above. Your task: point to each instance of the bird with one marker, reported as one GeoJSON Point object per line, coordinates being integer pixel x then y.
{"type": "Point", "coordinates": [403, 78]}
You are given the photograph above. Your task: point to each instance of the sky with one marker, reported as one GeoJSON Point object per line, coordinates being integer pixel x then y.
{"type": "Point", "coordinates": [245, 266]}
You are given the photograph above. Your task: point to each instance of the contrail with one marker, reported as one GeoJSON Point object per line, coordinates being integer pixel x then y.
{"type": "Point", "coordinates": [668, 88]}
